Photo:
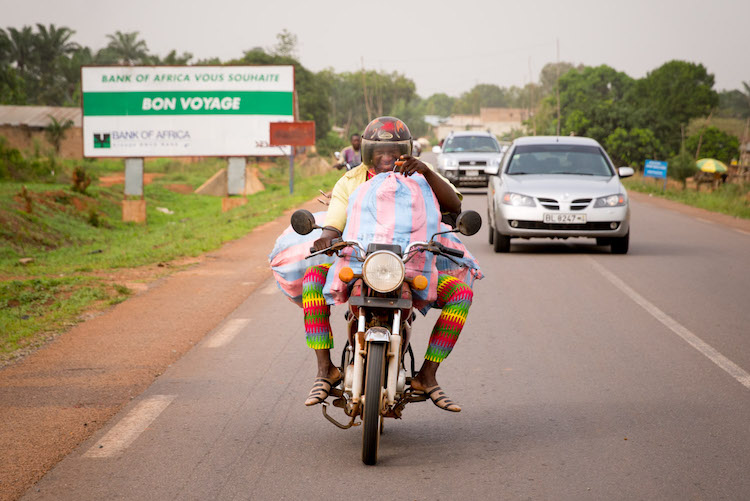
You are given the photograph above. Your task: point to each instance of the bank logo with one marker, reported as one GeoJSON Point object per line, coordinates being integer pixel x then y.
{"type": "Point", "coordinates": [102, 141]}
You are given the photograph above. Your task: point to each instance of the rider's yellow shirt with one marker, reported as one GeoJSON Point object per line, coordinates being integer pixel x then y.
{"type": "Point", "coordinates": [336, 215]}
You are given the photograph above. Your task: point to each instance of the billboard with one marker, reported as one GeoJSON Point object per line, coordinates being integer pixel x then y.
{"type": "Point", "coordinates": [153, 111]}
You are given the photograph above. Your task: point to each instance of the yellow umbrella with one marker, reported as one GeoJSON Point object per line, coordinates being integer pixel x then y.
{"type": "Point", "coordinates": [711, 165]}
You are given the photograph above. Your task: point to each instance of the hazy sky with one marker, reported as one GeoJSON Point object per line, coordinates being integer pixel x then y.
{"type": "Point", "coordinates": [443, 46]}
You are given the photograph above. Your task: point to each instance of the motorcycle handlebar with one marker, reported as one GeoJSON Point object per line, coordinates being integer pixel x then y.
{"type": "Point", "coordinates": [449, 251]}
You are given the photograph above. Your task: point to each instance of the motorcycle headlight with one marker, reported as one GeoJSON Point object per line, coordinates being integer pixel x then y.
{"type": "Point", "coordinates": [383, 271]}
{"type": "Point", "coordinates": [617, 200]}
{"type": "Point", "coordinates": [518, 200]}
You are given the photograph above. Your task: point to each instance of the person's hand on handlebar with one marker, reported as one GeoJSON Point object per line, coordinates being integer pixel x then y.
{"type": "Point", "coordinates": [325, 238]}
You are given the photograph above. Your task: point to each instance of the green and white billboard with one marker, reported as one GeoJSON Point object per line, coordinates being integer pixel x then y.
{"type": "Point", "coordinates": [165, 111]}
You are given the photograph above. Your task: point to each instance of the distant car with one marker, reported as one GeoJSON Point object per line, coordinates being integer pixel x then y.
{"type": "Point", "coordinates": [467, 158]}
{"type": "Point", "coordinates": [558, 187]}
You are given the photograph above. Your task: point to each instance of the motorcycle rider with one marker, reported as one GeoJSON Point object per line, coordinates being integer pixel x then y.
{"type": "Point", "coordinates": [384, 141]}
{"type": "Point", "coordinates": [351, 154]}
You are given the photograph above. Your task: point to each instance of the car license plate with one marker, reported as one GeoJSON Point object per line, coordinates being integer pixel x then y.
{"type": "Point", "coordinates": [472, 173]}
{"type": "Point", "coordinates": [564, 218]}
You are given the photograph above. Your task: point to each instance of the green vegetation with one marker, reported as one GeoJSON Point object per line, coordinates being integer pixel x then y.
{"type": "Point", "coordinates": [32, 309]}
{"type": "Point", "coordinates": [60, 249]}
{"type": "Point", "coordinates": [731, 199]}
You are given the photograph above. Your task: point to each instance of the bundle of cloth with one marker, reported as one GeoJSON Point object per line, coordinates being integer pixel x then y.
{"type": "Point", "coordinates": [389, 208]}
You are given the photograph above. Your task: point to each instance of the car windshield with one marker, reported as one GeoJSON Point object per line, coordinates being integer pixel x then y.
{"type": "Point", "coordinates": [559, 159]}
{"type": "Point", "coordinates": [470, 143]}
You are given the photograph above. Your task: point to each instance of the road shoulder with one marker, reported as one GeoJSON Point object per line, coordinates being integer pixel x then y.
{"type": "Point", "coordinates": [57, 397]}
{"type": "Point", "coordinates": [736, 223]}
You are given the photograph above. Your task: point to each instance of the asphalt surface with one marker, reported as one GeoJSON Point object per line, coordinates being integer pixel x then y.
{"type": "Point", "coordinates": [582, 375]}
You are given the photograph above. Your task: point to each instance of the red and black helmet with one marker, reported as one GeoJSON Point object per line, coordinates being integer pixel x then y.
{"type": "Point", "coordinates": [385, 131]}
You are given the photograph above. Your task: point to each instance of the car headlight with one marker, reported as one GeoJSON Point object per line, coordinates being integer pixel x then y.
{"type": "Point", "coordinates": [518, 200]}
{"type": "Point", "coordinates": [383, 271]}
{"type": "Point", "coordinates": [492, 166]}
{"type": "Point", "coordinates": [617, 200]}
{"type": "Point", "coordinates": [450, 162]}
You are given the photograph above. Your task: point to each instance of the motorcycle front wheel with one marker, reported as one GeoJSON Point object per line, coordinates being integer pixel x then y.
{"type": "Point", "coordinates": [374, 378]}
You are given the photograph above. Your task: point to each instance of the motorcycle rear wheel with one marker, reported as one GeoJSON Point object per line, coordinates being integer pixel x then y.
{"type": "Point", "coordinates": [374, 378]}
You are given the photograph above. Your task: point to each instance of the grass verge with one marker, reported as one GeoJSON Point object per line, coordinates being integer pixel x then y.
{"type": "Point", "coordinates": [60, 251]}
{"type": "Point", "coordinates": [732, 199]}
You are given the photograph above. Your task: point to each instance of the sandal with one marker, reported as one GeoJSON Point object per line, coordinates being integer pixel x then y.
{"type": "Point", "coordinates": [440, 399]}
{"type": "Point", "coordinates": [321, 388]}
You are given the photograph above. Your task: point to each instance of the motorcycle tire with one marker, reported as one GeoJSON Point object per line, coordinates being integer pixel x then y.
{"type": "Point", "coordinates": [374, 378]}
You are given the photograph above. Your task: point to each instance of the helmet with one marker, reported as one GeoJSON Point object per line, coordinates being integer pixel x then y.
{"type": "Point", "coordinates": [383, 131]}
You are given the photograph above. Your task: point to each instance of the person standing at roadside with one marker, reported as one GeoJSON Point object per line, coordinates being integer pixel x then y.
{"type": "Point", "coordinates": [351, 154]}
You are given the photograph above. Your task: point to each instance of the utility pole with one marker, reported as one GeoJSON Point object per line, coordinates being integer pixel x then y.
{"type": "Point", "coordinates": [532, 114]}
{"type": "Point", "coordinates": [557, 86]}
{"type": "Point", "coordinates": [364, 89]}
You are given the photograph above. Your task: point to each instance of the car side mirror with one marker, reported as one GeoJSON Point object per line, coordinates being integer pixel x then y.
{"type": "Point", "coordinates": [625, 171]}
{"type": "Point", "coordinates": [436, 149]}
{"type": "Point", "coordinates": [469, 222]}
{"type": "Point", "coordinates": [303, 221]}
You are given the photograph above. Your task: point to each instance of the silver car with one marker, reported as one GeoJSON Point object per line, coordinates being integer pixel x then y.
{"type": "Point", "coordinates": [558, 187]}
{"type": "Point", "coordinates": [466, 157]}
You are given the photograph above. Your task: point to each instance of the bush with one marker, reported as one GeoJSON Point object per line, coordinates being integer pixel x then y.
{"type": "Point", "coordinates": [715, 143]}
{"type": "Point", "coordinates": [330, 143]}
{"type": "Point", "coordinates": [15, 167]}
{"type": "Point", "coordinates": [81, 180]}
{"type": "Point", "coordinates": [682, 167]}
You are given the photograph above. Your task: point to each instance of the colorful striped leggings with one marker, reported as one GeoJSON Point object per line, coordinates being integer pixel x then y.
{"type": "Point", "coordinates": [454, 298]}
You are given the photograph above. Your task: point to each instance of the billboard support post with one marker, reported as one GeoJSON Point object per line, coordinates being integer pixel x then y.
{"type": "Point", "coordinates": [236, 181]}
{"type": "Point", "coordinates": [291, 171]}
{"type": "Point", "coordinates": [134, 211]}
{"type": "Point", "coordinates": [292, 134]}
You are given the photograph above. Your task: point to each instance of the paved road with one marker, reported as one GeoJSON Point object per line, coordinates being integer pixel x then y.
{"type": "Point", "coordinates": [583, 375]}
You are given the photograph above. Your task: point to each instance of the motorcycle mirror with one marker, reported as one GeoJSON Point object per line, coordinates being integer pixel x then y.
{"type": "Point", "coordinates": [337, 155]}
{"type": "Point", "coordinates": [303, 221]}
{"type": "Point", "coordinates": [469, 222]}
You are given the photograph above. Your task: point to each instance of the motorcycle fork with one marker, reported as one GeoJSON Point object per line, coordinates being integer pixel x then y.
{"type": "Point", "coordinates": [359, 358]}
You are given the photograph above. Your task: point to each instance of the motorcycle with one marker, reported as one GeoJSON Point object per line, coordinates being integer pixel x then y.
{"type": "Point", "coordinates": [338, 156]}
{"type": "Point", "coordinates": [375, 385]}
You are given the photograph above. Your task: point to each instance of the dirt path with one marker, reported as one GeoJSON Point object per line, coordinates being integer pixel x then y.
{"type": "Point", "coordinates": [58, 396]}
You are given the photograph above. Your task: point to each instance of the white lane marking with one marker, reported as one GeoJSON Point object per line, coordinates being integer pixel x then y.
{"type": "Point", "coordinates": [707, 350]}
{"type": "Point", "coordinates": [227, 332]}
{"type": "Point", "coordinates": [130, 427]}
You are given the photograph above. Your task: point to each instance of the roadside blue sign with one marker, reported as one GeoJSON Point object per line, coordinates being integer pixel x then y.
{"type": "Point", "coordinates": [655, 168]}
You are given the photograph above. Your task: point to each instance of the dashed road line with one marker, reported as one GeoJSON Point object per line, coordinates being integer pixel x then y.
{"type": "Point", "coordinates": [130, 427]}
{"type": "Point", "coordinates": [226, 333]}
{"type": "Point", "coordinates": [707, 350]}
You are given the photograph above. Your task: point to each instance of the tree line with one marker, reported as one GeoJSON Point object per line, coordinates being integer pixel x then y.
{"type": "Point", "coordinates": [634, 118]}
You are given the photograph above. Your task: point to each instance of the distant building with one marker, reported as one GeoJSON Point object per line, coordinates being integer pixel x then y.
{"type": "Point", "coordinates": [23, 128]}
{"type": "Point", "coordinates": [499, 121]}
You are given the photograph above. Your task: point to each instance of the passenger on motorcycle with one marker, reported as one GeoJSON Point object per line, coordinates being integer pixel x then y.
{"type": "Point", "coordinates": [385, 141]}
{"type": "Point", "coordinates": [351, 155]}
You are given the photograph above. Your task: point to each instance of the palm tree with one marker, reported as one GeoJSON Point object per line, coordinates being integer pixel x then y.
{"type": "Point", "coordinates": [56, 132]}
{"type": "Point", "coordinates": [125, 48]}
{"type": "Point", "coordinates": [52, 43]}
{"type": "Point", "coordinates": [21, 48]}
